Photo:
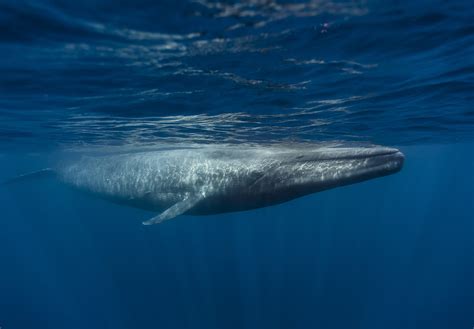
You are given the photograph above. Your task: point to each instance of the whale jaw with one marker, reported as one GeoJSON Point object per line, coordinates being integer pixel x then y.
{"type": "Point", "coordinates": [328, 168]}
{"type": "Point", "coordinates": [367, 164]}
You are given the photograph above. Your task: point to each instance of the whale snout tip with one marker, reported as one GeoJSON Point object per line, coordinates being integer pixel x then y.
{"type": "Point", "coordinates": [387, 160]}
{"type": "Point", "coordinates": [398, 159]}
{"type": "Point", "coordinates": [398, 154]}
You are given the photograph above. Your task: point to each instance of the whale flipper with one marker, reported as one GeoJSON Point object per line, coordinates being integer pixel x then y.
{"type": "Point", "coordinates": [175, 210]}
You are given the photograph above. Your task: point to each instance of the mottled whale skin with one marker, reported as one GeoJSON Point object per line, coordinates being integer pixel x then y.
{"type": "Point", "coordinates": [212, 180]}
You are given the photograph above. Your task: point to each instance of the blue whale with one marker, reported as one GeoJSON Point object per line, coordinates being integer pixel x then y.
{"type": "Point", "coordinates": [218, 179]}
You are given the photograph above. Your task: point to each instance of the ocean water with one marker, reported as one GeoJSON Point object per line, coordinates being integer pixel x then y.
{"type": "Point", "coordinates": [394, 252]}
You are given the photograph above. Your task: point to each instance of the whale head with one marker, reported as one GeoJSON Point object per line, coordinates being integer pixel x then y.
{"type": "Point", "coordinates": [313, 170]}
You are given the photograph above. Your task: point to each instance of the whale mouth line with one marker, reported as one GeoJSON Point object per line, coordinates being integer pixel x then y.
{"type": "Point", "coordinates": [366, 155]}
{"type": "Point", "coordinates": [395, 154]}
{"type": "Point", "coordinates": [380, 154]}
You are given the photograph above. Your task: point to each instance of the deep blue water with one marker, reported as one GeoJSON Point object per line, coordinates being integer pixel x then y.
{"type": "Point", "coordinates": [395, 252]}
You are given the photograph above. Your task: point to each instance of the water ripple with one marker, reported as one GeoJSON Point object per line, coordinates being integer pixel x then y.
{"type": "Point", "coordinates": [257, 70]}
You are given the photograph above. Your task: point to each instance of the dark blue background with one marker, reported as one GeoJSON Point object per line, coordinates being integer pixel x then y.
{"type": "Point", "coordinates": [396, 252]}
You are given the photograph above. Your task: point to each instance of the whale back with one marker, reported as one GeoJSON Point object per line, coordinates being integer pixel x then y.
{"type": "Point", "coordinates": [157, 180]}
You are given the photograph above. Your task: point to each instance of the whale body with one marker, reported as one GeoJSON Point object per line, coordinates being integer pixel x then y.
{"type": "Point", "coordinates": [219, 179]}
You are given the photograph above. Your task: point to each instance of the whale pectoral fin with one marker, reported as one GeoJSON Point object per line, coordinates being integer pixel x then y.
{"type": "Point", "coordinates": [175, 210]}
